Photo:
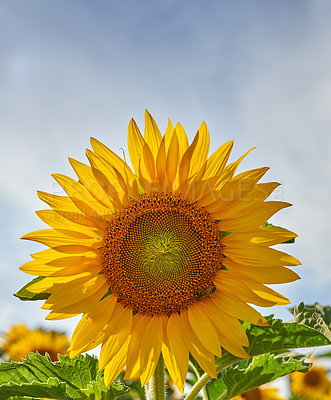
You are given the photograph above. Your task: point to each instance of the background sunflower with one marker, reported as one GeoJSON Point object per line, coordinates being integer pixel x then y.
{"type": "Point", "coordinates": [312, 385]}
{"type": "Point", "coordinates": [19, 341]}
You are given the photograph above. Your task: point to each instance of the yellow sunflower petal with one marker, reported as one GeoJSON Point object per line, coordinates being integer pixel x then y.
{"type": "Point", "coordinates": [186, 161]}
{"type": "Point", "coordinates": [175, 352]}
{"type": "Point", "coordinates": [267, 275]}
{"type": "Point", "coordinates": [74, 261]}
{"type": "Point", "coordinates": [52, 238]}
{"type": "Point", "coordinates": [152, 134]}
{"type": "Point", "coordinates": [204, 329]}
{"type": "Point", "coordinates": [92, 267]}
{"type": "Point", "coordinates": [255, 255]}
{"type": "Point", "coordinates": [37, 267]}
{"type": "Point", "coordinates": [62, 268]}
{"type": "Point", "coordinates": [264, 236]}
{"type": "Point", "coordinates": [116, 161]}
{"type": "Point", "coordinates": [151, 347]}
{"type": "Point", "coordinates": [269, 294]}
{"type": "Point", "coordinates": [109, 179]}
{"type": "Point", "coordinates": [231, 284]}
{"type": "Point", "coordinates": [225, 183]}
{"type": "Point", "coordinates": [254, 219]}
{"type": "Point", "coordinates": [91, 324]}
{"type": "Point", "coordinates": [231, 333]}
{"type": "Point", "coordinates": [245, 203]}
{"type": "Point", "coordinates": [182, 140]}
{"type": "Point", "coordinates": [149, 162]}
{"type": "Point", "coordinates": [134, 349]}
{"type": "Point", "coordinates": [53, 316]}
{"type": "Point", "coordinates": [77, 296]}
{"type": "Point", "coordinates": [136, 145]}
{"type": "Point", "coordinates": [81, 197]}
{"type": "Point", "coordinates": [173, 159]}
{"type": "Point", "coordinates": [231, 169]}
{"type": "Point", "coordinates": [259, 289]}
{"type": "Point", "coordinates": [132, 370]}
{"type": "Point", "coordinates": [161, 161]}
{"type": "Point", "coordinates": [58, 202]}
{"type": "Point", "coordinates": [237, 308]}
{"type": "Point", "coordinates": [46, 285]}
{"type": "Point", "coordinates": [61, 224]}
{"type": "Point", "coordinates": [116, 334]}
{"type": "Point", "coordinates": [86, 177]}
{"type": "Point", "coordinates": [201, 150]}
{"type": "Point", "coordinates": [174, 371]}
{"type": "Point", "coordinates": [215, 164]}
{"type": "Point", "coordinates": [116, 364]}
{"type": "Point", "coordinates": [235, 198]}
{"type": "Point", "coordinates": [168, 135]}
{"type": "Point", "coordinates": [65, 207]}
{"type": "Point", "coordinates": [50, 257]}
{"type": "Point", "coordinates": [203, 356]}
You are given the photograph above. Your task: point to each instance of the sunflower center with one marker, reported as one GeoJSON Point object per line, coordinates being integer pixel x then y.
{"type": "Point", "coordinates": [53, 354]}
{"type": "Point", "coordinates": [161, 253]}
{"type": "Point", "coordinates": [312, 378]}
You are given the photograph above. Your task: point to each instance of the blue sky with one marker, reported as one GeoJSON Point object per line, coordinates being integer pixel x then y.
{"type": "Point", "coordinates": [255, 71]}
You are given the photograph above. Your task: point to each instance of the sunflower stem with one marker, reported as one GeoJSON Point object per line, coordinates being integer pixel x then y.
{"type": "Point", "coordinates": [204, 392]}
{"type": "Point", "coordinates": [203, 380]}
{"type": "Point", "coordinates": [199, 385]}
{"type": "Point", "coordinates": [155, 388]}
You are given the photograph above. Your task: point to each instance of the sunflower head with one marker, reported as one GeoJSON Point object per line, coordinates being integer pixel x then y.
{"type": "Point", "coordinates": [162, 257]}
{"type": "Point", "coordinates": [313, 385]}
{"type": "Point", "coordinates": [260, 393]}
{"type": "Point", "coordinates": [19, 341]}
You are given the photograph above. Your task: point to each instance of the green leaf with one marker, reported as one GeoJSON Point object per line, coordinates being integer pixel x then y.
{"type": "Point", "coordinates": [136, 391]}
{"type": "Point", "coordinates": [38, 377]}
{"type": "Point", "coordinates": [328, 354]}
{"type": "Point", "coordinates": [308, 312]}
{"type": "Point", "coordinates": [52, 389]}
{"type": "Point", "coordinates": [25, 295]}
{"type": "Point", "coordinates": [98, 391]}
{"type": "Point", "coordinates": [267, 224]}
{"type": "Point", "coordinates": [307, 329]}
{"type": "Point", "coordinates": [251, 373]}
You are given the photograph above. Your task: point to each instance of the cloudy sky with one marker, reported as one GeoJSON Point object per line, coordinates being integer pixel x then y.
{"type": "Point", "coordinates": [256, 71]}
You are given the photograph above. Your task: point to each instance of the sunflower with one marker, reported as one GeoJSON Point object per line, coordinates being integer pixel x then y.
{"type": "Point", "coordinates": [161, 259]}
{"type": "Point", "coordinates": [19, 341]}
{"type": "Point", "coordinates": [260, 393]}
{"type": "Point", "coordinates": [313, 385]}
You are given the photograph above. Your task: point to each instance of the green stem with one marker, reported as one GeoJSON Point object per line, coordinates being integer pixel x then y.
{"type": "Point", "coordinates": [204, 392]}
{"type": "Point", "coordinates": [202, 382]}
{"type": "Point", "coordinates": [155, 388]}
{"type": "Point", "coordinates": [199, 385]}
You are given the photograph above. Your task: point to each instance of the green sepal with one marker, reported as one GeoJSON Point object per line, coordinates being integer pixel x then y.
{"type": "Point", "coordinates": [25, 295]}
